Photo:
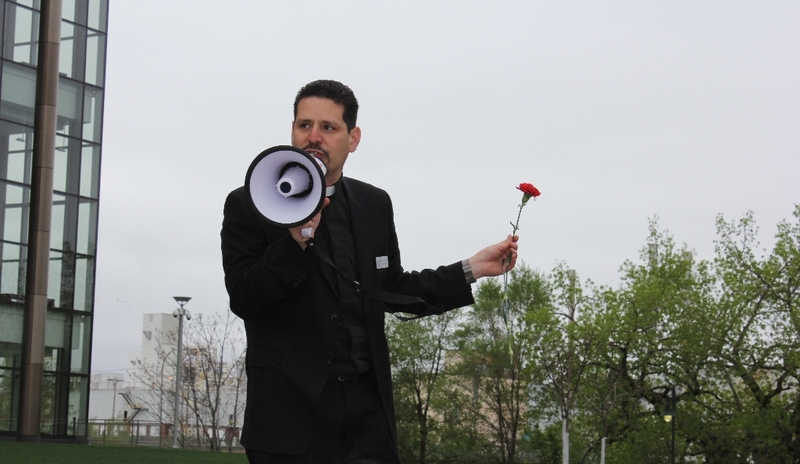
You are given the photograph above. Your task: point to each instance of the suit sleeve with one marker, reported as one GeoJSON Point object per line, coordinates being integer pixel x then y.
{"type": "Point", "coordinates": [263, 265]}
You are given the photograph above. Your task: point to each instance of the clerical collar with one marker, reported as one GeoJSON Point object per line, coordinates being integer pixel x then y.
{"type": "Point", "coordinates": [331, 189]}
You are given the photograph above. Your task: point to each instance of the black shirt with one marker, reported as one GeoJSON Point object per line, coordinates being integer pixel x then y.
{"type": "Point", "coordinates": [352, 353]}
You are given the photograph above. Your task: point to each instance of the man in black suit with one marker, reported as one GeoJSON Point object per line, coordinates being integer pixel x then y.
{"type": "Point", "coordinates": [319, 380]}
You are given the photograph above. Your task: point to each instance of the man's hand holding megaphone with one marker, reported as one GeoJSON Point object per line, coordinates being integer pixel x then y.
{"type": "Point", "coordinates": [305, 232]}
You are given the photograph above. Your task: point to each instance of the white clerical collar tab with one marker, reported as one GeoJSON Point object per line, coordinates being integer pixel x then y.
{"type": "Point", "coordinates": [330, 190]}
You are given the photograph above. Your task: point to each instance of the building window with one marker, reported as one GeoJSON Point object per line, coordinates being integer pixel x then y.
{"type": "Point", "coordinates": [75, 206]}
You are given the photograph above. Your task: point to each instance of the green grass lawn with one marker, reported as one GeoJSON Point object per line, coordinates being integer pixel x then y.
{"type": "Point", "coordinates": [12, 452]}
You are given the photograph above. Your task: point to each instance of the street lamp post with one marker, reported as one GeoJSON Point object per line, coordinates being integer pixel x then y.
{"type": "Point", "coordinates": [669, 416]}
{"type": "Point", "coordinates": [179, 313]}
{"type": "Point", "coordinates": [161, 398]}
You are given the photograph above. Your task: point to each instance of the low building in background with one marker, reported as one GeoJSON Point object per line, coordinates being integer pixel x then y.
{"type": "Point", "coordinates": [138, 405]}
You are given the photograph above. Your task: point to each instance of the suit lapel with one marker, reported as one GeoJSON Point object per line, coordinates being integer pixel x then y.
{"type": "Point", "coordinates": [361, 217]}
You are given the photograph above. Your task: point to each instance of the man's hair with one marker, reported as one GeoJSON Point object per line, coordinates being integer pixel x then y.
{"type": "Point", "coordinates": [335, 91]}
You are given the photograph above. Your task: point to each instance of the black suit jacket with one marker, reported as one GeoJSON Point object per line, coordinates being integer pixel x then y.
{"type": "Point", "coordinates": [284, 299]}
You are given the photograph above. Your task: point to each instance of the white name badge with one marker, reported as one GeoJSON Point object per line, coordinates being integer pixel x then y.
{"type": "Point", "coordinates": [381, 262]}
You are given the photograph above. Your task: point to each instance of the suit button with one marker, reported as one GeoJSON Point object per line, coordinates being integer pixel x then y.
{"type": "Point", "coordinates": [328, 363]}
{"type": "Point", "coordinates": [335, 318]}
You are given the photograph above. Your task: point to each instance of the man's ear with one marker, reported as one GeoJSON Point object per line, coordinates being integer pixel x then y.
{"type": "Point", "coordinates": [355, 138]}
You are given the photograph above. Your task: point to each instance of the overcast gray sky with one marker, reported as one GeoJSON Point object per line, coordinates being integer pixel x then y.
{"type": "Point", "coordinates": [618, 111]}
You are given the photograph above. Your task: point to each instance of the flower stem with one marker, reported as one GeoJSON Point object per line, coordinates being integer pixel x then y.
{"type": "Point", "coordinates": [516, 224]}
{"type": "Point", "coordinates": [505, 306]}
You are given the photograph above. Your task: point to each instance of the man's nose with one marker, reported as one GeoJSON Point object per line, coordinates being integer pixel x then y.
{"type": "Point", "coordinates": [315, 136]}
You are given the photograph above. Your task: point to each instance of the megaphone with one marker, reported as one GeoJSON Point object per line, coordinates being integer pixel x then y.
{"type": "Point", "coordinates": [286, 185]}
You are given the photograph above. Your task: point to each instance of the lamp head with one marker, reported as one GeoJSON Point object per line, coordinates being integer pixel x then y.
{"type": "Point", "coordinates": [182, 300]}
{"type": "Point", "coordinates": [669, 408]}
{"type": "Point", "coordinates": [669, 411]}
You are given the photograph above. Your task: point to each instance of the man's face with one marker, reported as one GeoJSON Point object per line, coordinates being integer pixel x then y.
{"type": "Point", "coordinates": [320, 130]}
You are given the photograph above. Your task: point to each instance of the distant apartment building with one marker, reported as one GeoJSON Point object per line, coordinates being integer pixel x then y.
{"type": "Point", "coordinates": [153, 365]}
{"type": "Point", "coordinates": [159, 343]}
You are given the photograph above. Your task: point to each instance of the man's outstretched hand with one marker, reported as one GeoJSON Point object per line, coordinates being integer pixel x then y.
{"type": "Point", "coordinates": [495, 259]}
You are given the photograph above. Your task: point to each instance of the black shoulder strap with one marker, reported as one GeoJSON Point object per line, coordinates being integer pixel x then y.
{"type": "Point", "coordinates": [380, 295]}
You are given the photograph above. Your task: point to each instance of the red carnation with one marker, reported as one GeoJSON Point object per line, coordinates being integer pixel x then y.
{"type": "Point", "coordinates": [529, 190]}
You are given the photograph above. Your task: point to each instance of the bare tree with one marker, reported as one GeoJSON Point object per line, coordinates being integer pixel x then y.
{"type": "Point", "coordinates": [213, 389]}
{"type": "Point", "coordinates": [214, 375]}
{"type": "Point", "coordinates": [154, 382]}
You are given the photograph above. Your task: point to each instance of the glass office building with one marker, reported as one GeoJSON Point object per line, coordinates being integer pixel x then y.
{"type": "Point", "coordinates": [70, 293]}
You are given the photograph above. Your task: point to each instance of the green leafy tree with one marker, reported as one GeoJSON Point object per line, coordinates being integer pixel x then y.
{"type": "Point", "coordinates": [418, 351]}
{"type": "Point", "coordinates": [493, 389]}
{"type": "Point", "coordinates": [757, 340]}
{"type": "Point", "coordinates": [601, 362]}
{"type": "Point", "coordinates": [724, 333]}
{"type": "Point", "coordinates": [562, 338]}
{"type": "Point", "coordinates": [641, 343]}
{"type": "Point", "coordinates": [545, 443]}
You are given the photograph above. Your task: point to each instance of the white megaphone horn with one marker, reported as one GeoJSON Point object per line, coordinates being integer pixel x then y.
{"type": "Point", "coordinates": [286, 185]}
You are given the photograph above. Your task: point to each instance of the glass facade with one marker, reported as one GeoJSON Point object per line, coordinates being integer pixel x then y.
{"type": "Point", "coordinates": [73, 238]}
